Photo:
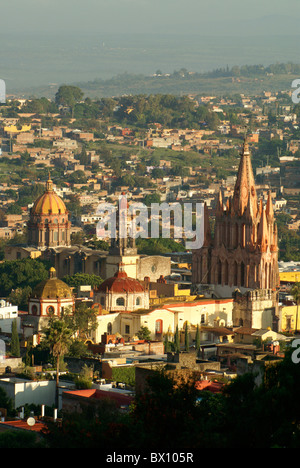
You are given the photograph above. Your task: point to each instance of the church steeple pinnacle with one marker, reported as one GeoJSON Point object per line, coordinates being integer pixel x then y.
{"type": "Point", "coordinates": [244, 189]}
{"type": "Point", "coordinates": [220, 209]}
{"type": "Point", "coordinates": [263, 232]}
{"type": "Point", "coordinates": [270, 210]}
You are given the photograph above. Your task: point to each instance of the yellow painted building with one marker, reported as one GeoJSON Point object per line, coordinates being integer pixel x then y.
{"type": "Point", "coordinates": [16, 129]}
{"type": "Point", "coordinates": [289, 321]}
{"type": "Point", "coordinates": [289, 276]}
{"type": "Point", "coordinates": [164, 319]}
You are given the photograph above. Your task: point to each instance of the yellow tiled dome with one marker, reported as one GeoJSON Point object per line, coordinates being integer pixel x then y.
{"type": "Point", "coordinates": [52, 288]}
{"type": "Point", "coordinates": [49, 202]}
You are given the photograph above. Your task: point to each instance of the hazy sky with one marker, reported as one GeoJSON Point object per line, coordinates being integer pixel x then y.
{"type": "Point", "coordinates": [171, 16]}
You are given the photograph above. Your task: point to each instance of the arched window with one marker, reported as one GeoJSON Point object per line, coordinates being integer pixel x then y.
{"type": "Point", "coordinates": [235, 274]}
{"type": "Point", "coordinates": [242, 274]}
{"type": "Point", "coordinates": [34, 310]}
{"type": "Point", "coordinates": [219, 272]}
{"type": "Point", "coordinates": [109, 328]}
{"type": "Point", "coordinates": [266, 276]}
{"type": "Point", "coordinates": [138, 301]}
{"type": "Point", "coordinates": [120, 301]}
{"type": "Point", "coordinates": [237, 234]}
{"type": "Point", "coordinates": [225, 272]}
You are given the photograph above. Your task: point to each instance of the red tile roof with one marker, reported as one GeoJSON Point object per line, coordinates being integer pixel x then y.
{"type": "Point", "coordinates": [121, 283]}
{"type": "Point", "coordinates": [208, 385]}
{"type": "Point", "coordinates": [119, 398]}
{"type": "Point", "coordinates": [22, 424]}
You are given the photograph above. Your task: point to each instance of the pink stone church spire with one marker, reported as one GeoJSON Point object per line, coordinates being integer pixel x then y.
{"type": "Point", "coordinates": [244, 190]}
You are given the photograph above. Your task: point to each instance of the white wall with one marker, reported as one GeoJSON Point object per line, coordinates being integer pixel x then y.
{"type": "Point", "coordinates": [26, 391]}
{"type": "Point", "coordinates": [42, 392]}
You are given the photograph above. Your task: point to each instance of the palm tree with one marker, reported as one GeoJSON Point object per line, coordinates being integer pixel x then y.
{"type": "Point", "coordinates": [295, 291]}
{"type": "Point", "coordinates": [58, 337]}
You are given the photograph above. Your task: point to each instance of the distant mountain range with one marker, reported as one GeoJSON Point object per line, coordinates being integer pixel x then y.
{"type": "Point", "coordinates": [38, 63]}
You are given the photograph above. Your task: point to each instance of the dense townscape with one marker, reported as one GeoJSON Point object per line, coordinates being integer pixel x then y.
{"type": "Point", "coordinates": [144, 342]}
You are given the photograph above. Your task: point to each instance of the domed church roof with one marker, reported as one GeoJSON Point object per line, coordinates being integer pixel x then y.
{"type": "Point", "coordinates": [52, 288]}
{"type": "Point", "coordinates": [121, 283]}
{"type": "Point", "coordinates": [49, 202]}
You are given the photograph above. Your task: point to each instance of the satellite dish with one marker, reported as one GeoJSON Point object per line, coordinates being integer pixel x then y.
{"type": "Point", "coordinates": [31, 421]}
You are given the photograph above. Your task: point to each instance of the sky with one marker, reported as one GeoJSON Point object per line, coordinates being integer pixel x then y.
{"type": "Point", "coordinates": [150, 16]}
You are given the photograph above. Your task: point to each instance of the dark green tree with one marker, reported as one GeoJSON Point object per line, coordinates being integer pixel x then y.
{"type": "Point", "coordinates": [14, 343]}
{"type": "Point", "coordinates": [68, 96]}
{"type": "Point", "coordinates": [21, 274]}
{"type": "Point", "coordinates": [82, 279]}
{"type": "Point", "coordinates": [6, 403]}
{"type": "Point", "coordinates": [144, 333]}
{"type": "Point", "coordinates": [177, 341]}
{"type": "Point", "coordinates": [186, 338]}
{"type": "Point", "coordinates": [20, 297]}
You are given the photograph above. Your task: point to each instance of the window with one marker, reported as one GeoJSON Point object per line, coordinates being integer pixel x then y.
{"type": "Point", "coordinates": [138, 301]}
{"type": "Point", "coordinates": [127, 329]}
{"type": "Point", "coordinates": [102, 301]}
{"type": "Point", "coordinates": [50, 310]}
{"type": "Point", "coordinates": [109, 328]}
{"type": "Point", "coordinates": [120, 301]}
{"type": "Point", "coordinates": [158, 326]}
{"type": "Point", "coordinates": [202, 318]}
{"type": "Point", "coordinates": [34, 310]}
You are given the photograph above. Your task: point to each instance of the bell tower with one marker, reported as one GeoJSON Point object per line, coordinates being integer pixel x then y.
{"type": "Point", "coordinates": [242, 256]}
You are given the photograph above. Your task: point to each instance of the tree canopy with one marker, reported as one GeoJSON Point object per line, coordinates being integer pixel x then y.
{"type": "Point", "coordinates": [68, 95]}
{"type": "Point", "coordinates": [21, 274]}
{"type": "Point", "coordinates": [82, 279]}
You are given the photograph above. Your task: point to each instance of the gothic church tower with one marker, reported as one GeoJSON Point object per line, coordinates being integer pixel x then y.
{"type": "Point", "coordinates": [243, 254]}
